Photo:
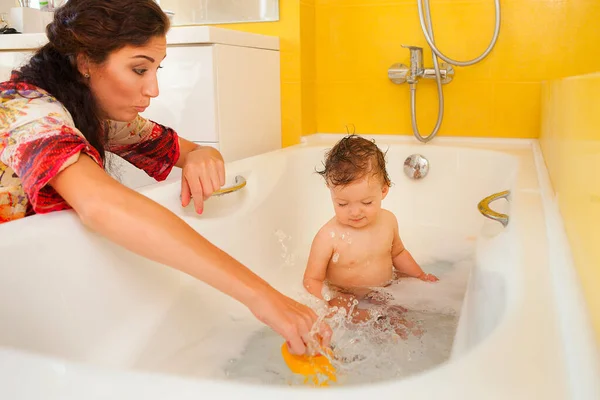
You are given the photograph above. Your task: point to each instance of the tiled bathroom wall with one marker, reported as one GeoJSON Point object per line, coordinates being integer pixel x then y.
{"type": "Point", "coordinates": [335, 55]}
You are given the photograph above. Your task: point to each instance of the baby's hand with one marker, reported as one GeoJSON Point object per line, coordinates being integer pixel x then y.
{"type": "Point", "coordinates": [428, 277]}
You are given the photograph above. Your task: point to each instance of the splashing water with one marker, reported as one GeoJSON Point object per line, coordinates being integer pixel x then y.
{"type": "Point", "coordinates": [417, 334]}
{"type": "Point", "coordinates": [346, 237]}
{"type": "Point", "coordinates": [335, 258]}
{"type": "Point", "coordinates": [284, 240]}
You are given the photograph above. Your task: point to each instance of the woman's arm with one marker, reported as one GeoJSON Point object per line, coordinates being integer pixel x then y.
{"type": "Point", "coordinates": [143, 226]}
{"type": "Point", "coordinates": [185, 147]}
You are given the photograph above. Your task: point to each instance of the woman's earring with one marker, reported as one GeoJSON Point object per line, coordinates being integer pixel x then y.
{"type": "Point", "coordinates": [86, 76]}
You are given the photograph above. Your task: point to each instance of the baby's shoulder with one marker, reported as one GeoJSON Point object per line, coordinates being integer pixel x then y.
{"type": "Point", "coordinates": [328, 228]}
{"type": "Point", "coordinates": [388, 216]}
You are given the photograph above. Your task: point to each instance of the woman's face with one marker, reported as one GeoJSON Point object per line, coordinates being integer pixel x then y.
{"type": "Point", "coordinates": [124, 84]}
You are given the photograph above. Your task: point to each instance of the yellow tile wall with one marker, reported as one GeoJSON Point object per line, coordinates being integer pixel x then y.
{"type": "Point", "coordinates": [357, 41]}
{"type": "Point", "coordinates": [570, 141]}
{"type": "Point", "coordinates": [335, 55]}
{"type": "Point", "coordinates": [308, 65]}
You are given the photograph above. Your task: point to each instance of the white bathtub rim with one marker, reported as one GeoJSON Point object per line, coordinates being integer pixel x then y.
{"type": "Point", "coordinates": [583, 364]}
{"type": "Point", "coordinates": [446, 377]}
{"type": "Point", "coordinates": [410, 139]}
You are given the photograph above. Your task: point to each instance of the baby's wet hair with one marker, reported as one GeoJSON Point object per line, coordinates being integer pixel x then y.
{"type": "Point", "coordinates": [353, 158]}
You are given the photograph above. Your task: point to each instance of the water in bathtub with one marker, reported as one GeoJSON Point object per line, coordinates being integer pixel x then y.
{"type": "Point", "coordinates": [369, 352]}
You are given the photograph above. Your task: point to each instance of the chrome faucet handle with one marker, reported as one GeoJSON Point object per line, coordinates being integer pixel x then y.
{"type": "Point", "coordinates": [398, 73]}
{"type": "Point", "coordinates": [416, 60]}
{"type": "Point", "coordinates": [446, 73]}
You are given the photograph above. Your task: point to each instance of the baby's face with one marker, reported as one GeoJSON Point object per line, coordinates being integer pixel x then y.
{"type": "Point", "coordinates": [359, 203]}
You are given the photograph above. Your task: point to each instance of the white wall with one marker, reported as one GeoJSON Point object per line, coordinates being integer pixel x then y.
{"type": "Point", "coordinates": [220, 11]}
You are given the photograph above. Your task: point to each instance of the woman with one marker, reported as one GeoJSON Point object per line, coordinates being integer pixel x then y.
{"type": "Point", "coordinates": [80, 96]}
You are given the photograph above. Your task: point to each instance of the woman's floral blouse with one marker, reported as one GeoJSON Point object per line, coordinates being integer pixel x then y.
{"type": "Point", "coordinates": [38, 139]}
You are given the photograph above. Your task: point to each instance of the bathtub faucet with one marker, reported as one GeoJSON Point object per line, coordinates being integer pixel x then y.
{"type": "Point", "coordinates": [400, 73]}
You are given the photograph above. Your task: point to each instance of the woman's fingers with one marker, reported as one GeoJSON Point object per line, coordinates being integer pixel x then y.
{"type": "Point", "coordinates": [325, 333]}
{"type": "Point", "coordinates": [204, 173]}
{"type": "Point", "coordinates": [318, 336]}
{"type": "Point", "coordinates": [197, 192]}
{"type": "Point", "coordinates": [210, 179]}
{"type": "Point", "coordinates": [296, 345]}
{"type": "Point", "coordinates": [186, 195]}
{"type": "Point", "coordinates": [221, 172]}
{"type": "Point", "coordinates": [292, 320]}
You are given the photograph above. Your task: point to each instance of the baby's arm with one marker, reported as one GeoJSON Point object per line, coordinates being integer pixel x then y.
{"type": "Point", "coordinates": [403, 260]}
{"type": "Point", "coordinates": [318, 260]}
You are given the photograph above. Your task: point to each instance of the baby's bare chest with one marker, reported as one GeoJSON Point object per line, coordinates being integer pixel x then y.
{"type": "Point", "coordinates": [357, 249]}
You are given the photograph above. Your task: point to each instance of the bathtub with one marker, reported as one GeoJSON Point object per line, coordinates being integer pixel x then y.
{"type": "Point", "coordinates": [83, 318]}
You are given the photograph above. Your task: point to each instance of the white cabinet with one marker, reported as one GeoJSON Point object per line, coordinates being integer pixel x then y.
{"type": "Point", "coordinates": [187, 101]}
{"type": "Point", "coordinates": [217, 87]}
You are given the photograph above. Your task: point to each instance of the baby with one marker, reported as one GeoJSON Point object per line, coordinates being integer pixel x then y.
{"type": "Point", "coordinates": [357, 250]}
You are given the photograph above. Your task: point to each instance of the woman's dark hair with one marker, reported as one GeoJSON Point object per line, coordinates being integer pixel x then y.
{"type": "Point", "coordinates": [353, 158]}
{"type": "Point", "coordinates": [95, 29]}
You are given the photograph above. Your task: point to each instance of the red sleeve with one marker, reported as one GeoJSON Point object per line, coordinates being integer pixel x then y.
{"type": "Point", "coordinates": [39, 160]}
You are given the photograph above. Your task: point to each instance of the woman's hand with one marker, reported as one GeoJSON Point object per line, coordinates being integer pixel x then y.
{"type": "Point", "coordinates": [292, 320]}
{"type": "Point", "coordinates": [203, 173]}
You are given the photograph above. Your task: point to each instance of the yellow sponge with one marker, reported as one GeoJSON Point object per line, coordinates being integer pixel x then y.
{"type": "Point", "coordinates": [316, 369]}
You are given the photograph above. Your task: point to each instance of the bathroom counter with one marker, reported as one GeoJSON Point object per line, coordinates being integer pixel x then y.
{"type": "Point", "coordinates": [177, 35]}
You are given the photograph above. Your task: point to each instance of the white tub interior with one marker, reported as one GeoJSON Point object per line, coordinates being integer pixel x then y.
{"type": "Point", "coordinates": [97, 303]}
